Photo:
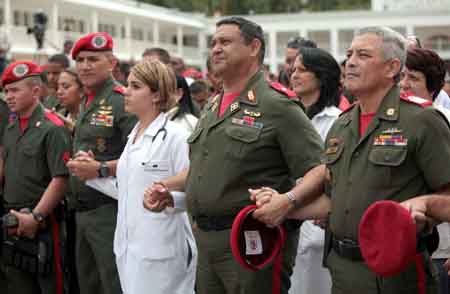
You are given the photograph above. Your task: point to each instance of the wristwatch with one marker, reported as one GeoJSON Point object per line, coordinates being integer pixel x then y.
{"type": "Point", "coordinates": [38, 217]}
{"type": "Point", "coordinates": [103, 171]}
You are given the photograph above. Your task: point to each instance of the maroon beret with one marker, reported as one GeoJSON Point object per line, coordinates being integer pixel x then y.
{"type": "Point", "coordinates": [93, 42]}
{"type": "Point", "coordinates": [253, 244]}
{"type": "Point", "coordinates": [20, 70]}
{"type": "Point", "coordinates": [387, 238]}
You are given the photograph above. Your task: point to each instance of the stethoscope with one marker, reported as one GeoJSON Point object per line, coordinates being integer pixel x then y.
{"type": "Point", "coordinates": [162, 130]}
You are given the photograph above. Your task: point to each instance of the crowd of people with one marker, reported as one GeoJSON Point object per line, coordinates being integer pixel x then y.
{"type": "Point", "coordinates": [120, 178]}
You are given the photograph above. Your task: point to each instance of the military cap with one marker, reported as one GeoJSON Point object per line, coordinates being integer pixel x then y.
{"type": "Point", "coordinates": [93, 42]}
{"type": "Point", "coordinates": [387, 238]}
{"type": "Point", "coordinates": [20, 70]}
{"type": "Point", "coordinates": [253, 244]}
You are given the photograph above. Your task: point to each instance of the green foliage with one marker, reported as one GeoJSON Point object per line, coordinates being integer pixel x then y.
{"type": "Point", "coordinates": [227, 7]}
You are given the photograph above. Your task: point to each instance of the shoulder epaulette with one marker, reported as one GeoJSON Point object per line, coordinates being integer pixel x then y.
{"type": "Point", "coordinates": [283, 89]}
{"type": "Point", "coordinates": [119, 89]}
{"type": "Point", "coordinates": [417, 100]}
{"type": "Point", "coordinates": [53, 117]}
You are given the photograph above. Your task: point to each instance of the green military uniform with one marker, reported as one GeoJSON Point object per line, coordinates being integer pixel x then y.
{"type": "Point", "coordinates": [404, 153]}
{"type": "Point", "coordinates": [31, 159]}
{"type": "Point", "coordinates": [262, 139]}
{"type": "Point", "coordinates": [103, 127]}
{"type": "Point", "coordinates": [4, 116]}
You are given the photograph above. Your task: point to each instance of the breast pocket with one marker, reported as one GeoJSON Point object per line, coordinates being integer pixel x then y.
{"type": "Point", "coordinates": [242, 139]}
{"type": "Point", "coordinates": [386, 161]}
{"type": "Point", "coordinates": [32, 161]}
{"type": "Point", "coordinates": [158, 169]}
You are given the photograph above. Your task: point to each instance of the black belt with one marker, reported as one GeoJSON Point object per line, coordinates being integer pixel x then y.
{"type": "Point", "coordinates": [347, 248]}
{"type": "Point", "coordinates": [214, 223]}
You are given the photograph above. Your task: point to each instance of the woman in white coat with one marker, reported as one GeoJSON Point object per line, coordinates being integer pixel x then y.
{"type": "Point", "coordinates": [155, 251]}
{"type": "Point", "coordinates": [316, 81]}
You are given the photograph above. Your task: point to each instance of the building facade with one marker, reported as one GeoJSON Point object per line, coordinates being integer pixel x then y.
{"type": "Point", "coordinates": [136, 26]}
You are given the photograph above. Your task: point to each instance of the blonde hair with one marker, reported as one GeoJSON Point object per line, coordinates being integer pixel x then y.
{"type": "Point", "coordinates": [159, 78]}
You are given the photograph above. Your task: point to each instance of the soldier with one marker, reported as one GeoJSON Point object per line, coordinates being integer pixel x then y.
{"type": "Point", "coordinates": [249, 135]}
{"type": "Point", "coordinates": [100, 135]}
{"type": "Point", "coordinates": [36, 147]}
{"type": "Point", "coordinates": [383, 148]}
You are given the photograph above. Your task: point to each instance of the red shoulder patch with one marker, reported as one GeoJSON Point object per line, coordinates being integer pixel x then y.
{"type": "Point", "coordinates": [417, 100]}
{"type": "Point", "coordinates": [119, 89]}
{"type": "Point", "coordinates": [51, 116]}
{"type": "Point", "coordinates": [282, 89]}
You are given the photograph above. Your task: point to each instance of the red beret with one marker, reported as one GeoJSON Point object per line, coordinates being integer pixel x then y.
{"type": "Point", "coordinates": [253, 244]}
{"type": "Point", "coordinates": [93, 42]}
{"type": "Point", "coordinates": [387, 238]}
{"type": "Point", "coordinates": [19, 70]}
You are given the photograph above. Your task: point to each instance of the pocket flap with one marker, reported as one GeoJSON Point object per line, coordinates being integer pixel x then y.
{"type": "Point", "coordinates": [387, 155]}
{"type": "Point", "coordinates": [243, 134]}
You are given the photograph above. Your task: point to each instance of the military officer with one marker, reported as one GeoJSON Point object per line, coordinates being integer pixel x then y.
{"type": "Point", "coordinates": [250, 135]}
{"type": "Point", "coordinates": [36, 147]}
{"type": "Point", "coordinates": [100, 135]}
{"type": "Point", "coordinates": [383, 148]}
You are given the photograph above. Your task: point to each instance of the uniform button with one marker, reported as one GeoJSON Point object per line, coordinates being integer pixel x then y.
{"type": "Point", "coordinates": [347, 211]}
{"type": "Point", "coordinates": [205, 152]}
{"type": "Point", "coordinates": [387, 157]}
{"type": "Point", "coordinates": [356, 153]}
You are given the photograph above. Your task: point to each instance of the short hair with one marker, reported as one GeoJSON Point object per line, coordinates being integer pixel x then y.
{"type": "Point", "coordinates": [298, 42]}
{"type": "Point", "coordinates": [199, 86]}
{"type": "Point", "coordinates": [328, 72]}
{"type": "Point", "coordinates": [249, 31]}
{"type": "Point", "coordinates": [162, 54]}
{"type": "Point", "coordinates": [431, 65]}
{"type": "Point", "coordinates": [159, 78]}
{"type": "Point", "coordinates": [60, 59]}
{"type": "Point", "coordinates": [35, 80]}
{"type": "Point", "coordinates": [394, 44]}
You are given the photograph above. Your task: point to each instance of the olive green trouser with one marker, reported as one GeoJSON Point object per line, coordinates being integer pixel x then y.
{"type": "Point", "coordinates": [355, 277]}
{"type": "Point", "coordinates": [96, 264]}
{"type": "Point", "coordinates": [219, 273]}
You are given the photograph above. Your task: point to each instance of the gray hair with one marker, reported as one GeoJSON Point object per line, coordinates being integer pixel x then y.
{"type": "Point", "coordinates": [394, 44]}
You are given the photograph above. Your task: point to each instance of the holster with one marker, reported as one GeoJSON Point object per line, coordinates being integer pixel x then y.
{"type": "Point", "coordinates": [31, 255]}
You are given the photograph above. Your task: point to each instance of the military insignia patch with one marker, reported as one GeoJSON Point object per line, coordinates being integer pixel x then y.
{"type": "Point", "coordinates": [390, 140]}
{"type": "Point", "coordinates": [101, 144]}
{"type": "Point", "coordinates": [234, 106]}
{"type": "Point", "coordinates": [390, 111]}
{"type": "Point", "coordinates": [392, 131]}
{"type": "Point", "coordinates": [249, 122]}
{"type": "Point", "coordinates": [252, 113]}
{"type": "Point", "coordinates": [251, 96]}
{"type": "Point", "coordinates": [20, 70]}
{"type": "Point", "coordinates": [333, 146]}
{"type": "Point", "coordinates": [98, 42]}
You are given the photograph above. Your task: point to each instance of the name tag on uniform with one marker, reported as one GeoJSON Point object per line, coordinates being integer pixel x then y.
{"type": "Point", "coordinates": [156, 166]}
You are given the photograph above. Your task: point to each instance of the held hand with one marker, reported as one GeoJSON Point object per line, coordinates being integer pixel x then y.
{"type": "Point", "coordinates": [447, 266]}
{"type": "Point", "coordinates": [417, 208]}
{"type": "Point", "coordinates": [274, 212]}
{"type": "Point", "coordinates": [261, 196]}
{"type": "Point", "coordinates": [84, 166]}
{"type": "Point", "coordinates": [157, 197]}
{"type": "Point", "coordinates": [28, 226]}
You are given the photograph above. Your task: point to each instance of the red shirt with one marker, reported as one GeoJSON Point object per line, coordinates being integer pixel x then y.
{"type": "Point", "coordinates": [90, 97]}
{"type": "Point", "coordinates": [227, 99]}
{"type": "Point", "coordinates": [23, 123]}
{"type": "Point", "coordinates": [364, 121]}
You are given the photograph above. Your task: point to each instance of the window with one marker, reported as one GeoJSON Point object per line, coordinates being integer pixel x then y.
{"type": "Point", "coordinates": [137, 34]}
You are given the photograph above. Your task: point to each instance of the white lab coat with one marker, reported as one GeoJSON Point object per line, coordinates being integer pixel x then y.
{"type": "Point", "coordinates": [309, 276]}
{"type": "Point", "coordinates": [152, 249]}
